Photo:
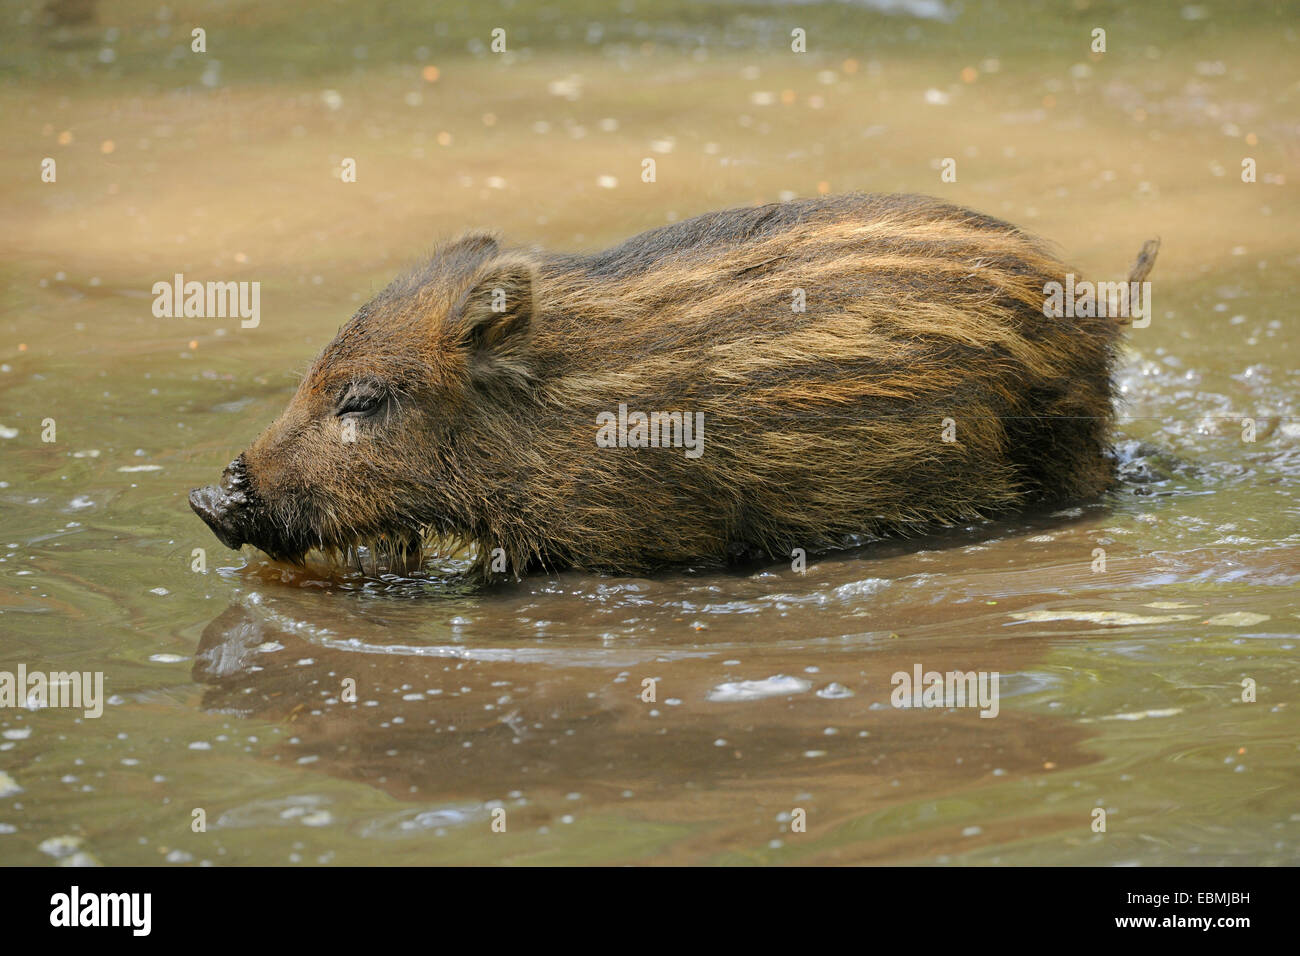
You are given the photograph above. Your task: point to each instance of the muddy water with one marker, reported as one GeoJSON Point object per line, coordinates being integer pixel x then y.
{"type": "Point", "coordinates": [1121, 670]}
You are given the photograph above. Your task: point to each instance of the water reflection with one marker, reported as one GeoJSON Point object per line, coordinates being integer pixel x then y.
{"type": "Point", "coordinates": [473, 725]}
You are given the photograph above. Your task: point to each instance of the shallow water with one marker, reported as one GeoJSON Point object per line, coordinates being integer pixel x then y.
{"type": "Point", "coordinates": [1121, 688]}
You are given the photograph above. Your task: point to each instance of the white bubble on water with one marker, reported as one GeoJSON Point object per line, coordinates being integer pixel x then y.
{"type": "Point", "coordinates": [779, 685]}
{"type": "Point", "coordinates": [60, 846]}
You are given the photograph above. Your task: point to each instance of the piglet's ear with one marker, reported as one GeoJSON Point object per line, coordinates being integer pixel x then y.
{"type": "Point", "coordinates": [494, 323]}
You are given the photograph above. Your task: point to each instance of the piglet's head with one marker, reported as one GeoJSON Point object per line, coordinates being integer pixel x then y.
{"type": "Point", "coordinates": [368, 451]}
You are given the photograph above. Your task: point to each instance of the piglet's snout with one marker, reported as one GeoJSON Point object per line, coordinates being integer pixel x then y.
{"type": "Point", "coordinates": [224, 507]}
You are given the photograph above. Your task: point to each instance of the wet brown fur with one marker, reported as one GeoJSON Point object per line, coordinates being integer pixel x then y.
{"type": "Point", "coordinates": [819, 424]}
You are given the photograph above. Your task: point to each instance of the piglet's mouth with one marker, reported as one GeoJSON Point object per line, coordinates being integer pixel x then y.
{"type": "Point", "coordinates": [237, 516]}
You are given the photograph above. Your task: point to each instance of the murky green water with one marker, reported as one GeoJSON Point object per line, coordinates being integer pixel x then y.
{"type": "Point", "coordinates": [1122, 688]}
